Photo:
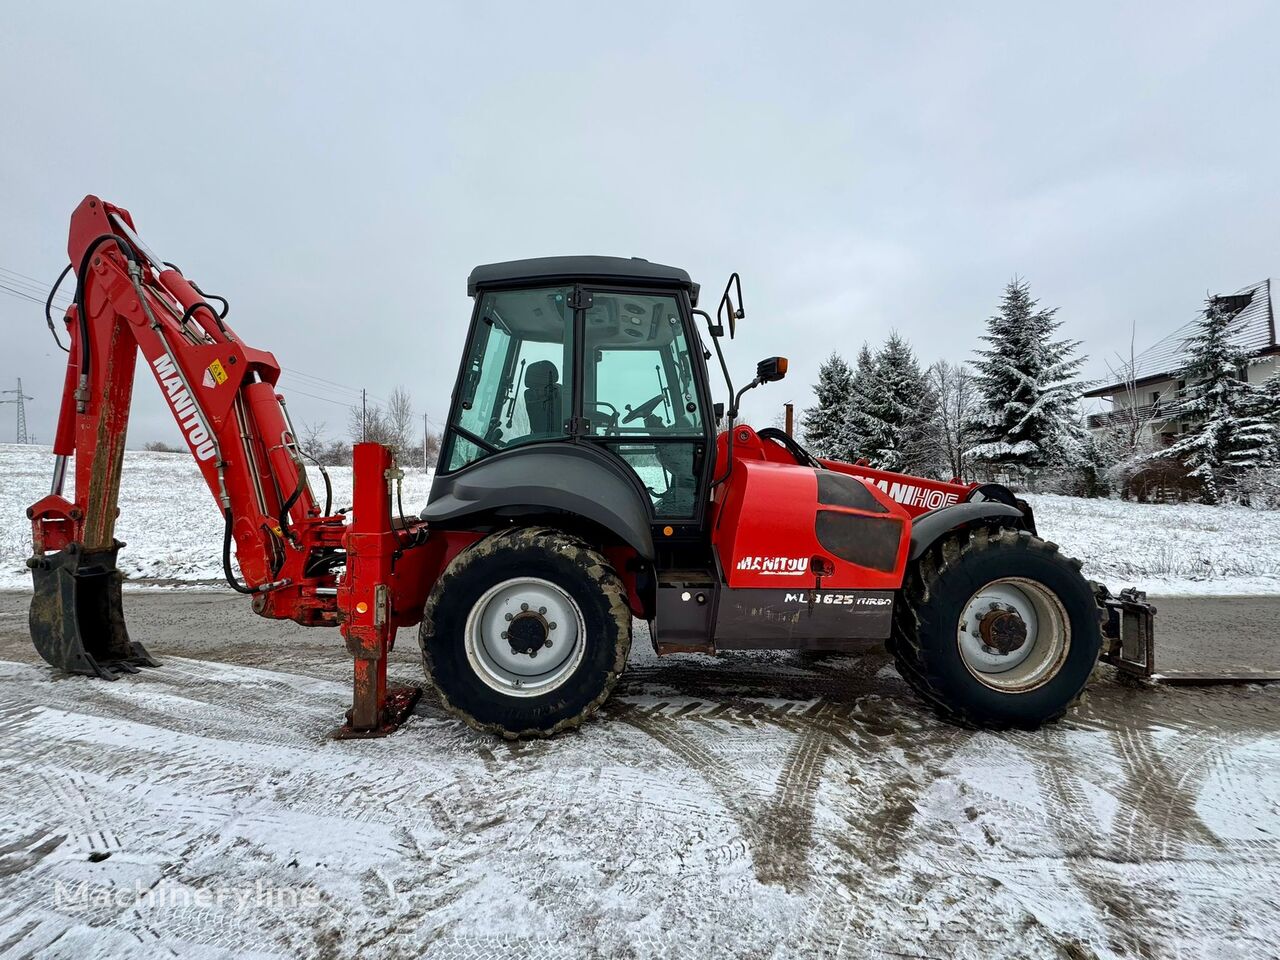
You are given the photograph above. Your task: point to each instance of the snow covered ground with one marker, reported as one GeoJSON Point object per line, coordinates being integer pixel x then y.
{"type": "Point", "coordinates": [763, 806]}
{"type": "Point", "coordinates": [753, 805]}
{"type": "Point", "coordinates": [174, 530]}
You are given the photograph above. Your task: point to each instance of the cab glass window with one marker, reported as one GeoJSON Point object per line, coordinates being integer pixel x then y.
{"type": "Point", "coordinates": [640, 395]}
{"type": "Point", "coordinates": [638, 372]}
{"type": "Point", "coordinates": [513, 387]}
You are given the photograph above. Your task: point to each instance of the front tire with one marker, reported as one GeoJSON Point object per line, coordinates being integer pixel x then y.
{"type": "Point", "coordinates": [526, 633]}
{"type": "Point", "coordinates": [997, 629]}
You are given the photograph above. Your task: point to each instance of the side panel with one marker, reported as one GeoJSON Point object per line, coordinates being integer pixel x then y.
{"type": "Point", "coordinates": [916, 495]}
{"type": "Point", "coordinates": [801, 618]}
{"type": "Point", "coordinates": [779, 527]}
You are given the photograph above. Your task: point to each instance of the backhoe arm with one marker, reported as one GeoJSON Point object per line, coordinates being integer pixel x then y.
{"type": "Point", "coordinates": [221, 392]}
{"type": "Point", "coordinates": [298, 562]}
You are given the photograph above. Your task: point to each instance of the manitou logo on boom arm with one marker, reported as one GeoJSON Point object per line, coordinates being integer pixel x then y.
{"type": "Point", "coordinates": [184, 408]}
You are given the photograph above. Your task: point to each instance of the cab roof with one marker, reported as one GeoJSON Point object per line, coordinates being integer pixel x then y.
{"type": "Point", "coordinates": [618, 270]}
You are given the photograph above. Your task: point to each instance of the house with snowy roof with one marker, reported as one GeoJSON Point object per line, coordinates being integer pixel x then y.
{"type": "Point", "coordinates": [1148, 392]}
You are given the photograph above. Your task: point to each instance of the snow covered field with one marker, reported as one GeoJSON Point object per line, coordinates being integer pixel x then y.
{"type": "Point", "coordinates": [174, 530]}
{"type": "Point", "coordinates": [168, 518]}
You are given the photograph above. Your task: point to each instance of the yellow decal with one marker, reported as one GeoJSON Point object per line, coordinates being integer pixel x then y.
{"type": "Point", "coordinates": [218, 372]}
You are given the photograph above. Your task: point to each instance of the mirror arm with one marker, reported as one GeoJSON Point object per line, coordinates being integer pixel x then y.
{"type": "Point", "coordinates": [715, 341]}
{"type": "Point", "coordinates": [728, 447]}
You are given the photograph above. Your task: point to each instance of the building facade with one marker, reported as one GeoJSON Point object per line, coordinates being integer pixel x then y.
{"type": "Point", "coordinates": [1147, 396]}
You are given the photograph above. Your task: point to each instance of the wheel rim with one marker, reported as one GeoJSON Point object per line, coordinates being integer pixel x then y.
{"type": "Point", "coordinates": [525, 637]}
{"type": "Point", "coordinates": [1013, 635]}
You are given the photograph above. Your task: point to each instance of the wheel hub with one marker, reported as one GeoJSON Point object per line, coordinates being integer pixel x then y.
{"type": "Point", "coordinates": [525, 636]}
{"type": "Point", "coordinates": [1013, 634]}
{"type": "Point", "coordinates": [528, 632]}
{"type": "Point", "coordinates": [1004, 631]}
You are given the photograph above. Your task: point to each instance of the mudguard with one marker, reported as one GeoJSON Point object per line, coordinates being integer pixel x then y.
{"type": "Point", "coordinates": [928, 528]}
{"type": "Point", "coordinates": [575, 478]}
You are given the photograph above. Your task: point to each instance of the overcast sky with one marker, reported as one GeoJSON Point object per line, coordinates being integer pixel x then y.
{"type": "Point", "coordinates": [335, 170]}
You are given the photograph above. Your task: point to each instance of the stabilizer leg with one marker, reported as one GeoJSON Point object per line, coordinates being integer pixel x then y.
{"type": "Point", "coordinates": [77, 615]}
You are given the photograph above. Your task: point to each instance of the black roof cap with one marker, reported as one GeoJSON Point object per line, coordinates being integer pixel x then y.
{"type": "Point", "coordinates": [598, 269]}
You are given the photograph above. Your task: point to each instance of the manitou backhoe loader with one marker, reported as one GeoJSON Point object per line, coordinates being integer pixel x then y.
{"type": "Point", "coordinates": [582, 483]}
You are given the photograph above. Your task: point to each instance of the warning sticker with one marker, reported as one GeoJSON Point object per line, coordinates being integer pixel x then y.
{"type": "Point", "coordinates": [215, 374]}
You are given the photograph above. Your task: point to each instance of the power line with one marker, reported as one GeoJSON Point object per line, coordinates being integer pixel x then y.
{"type": "Point", "coordinates": [337, 403]}
{"type": "Point", "coordinates": [22, 276]}
{"type": "Point", "coordinates": [26, 295]}
{"type": "Point", "coordinates": [323, 382]}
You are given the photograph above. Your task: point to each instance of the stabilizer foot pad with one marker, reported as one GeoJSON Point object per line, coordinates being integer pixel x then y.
{"type": "Point", "coordinates": [399, 703]}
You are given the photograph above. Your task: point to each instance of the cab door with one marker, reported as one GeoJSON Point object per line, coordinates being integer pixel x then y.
{"type": "Point", "coordinates": [643, 396]}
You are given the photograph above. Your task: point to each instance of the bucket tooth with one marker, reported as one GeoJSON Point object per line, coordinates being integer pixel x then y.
{"type": "Point", "coordinates": [77, 617]}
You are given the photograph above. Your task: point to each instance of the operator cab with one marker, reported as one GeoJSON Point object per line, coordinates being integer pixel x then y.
{"type": "Point", "coordinates": [587, 350]}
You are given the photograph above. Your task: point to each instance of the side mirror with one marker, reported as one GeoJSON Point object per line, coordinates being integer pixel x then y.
{"type": "Point", "coordinates": [728, 309]}
{"type": "Point", "coordinates": [775, 368]}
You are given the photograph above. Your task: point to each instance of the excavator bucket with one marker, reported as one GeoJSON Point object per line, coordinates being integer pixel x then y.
{"type": "Point", "coordinates": [77, 620]}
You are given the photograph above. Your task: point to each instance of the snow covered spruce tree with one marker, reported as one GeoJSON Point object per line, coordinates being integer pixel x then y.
{"type": "Point", "coordinates": [855, 432]}
{"type": "Point", "coordinates": [823, 423]}
{"type": "Point", "coordinates": [1028, 418]}
{"type": "Point", "coordinates": [1232, 432]}
{"type": "Point", "coordinates": [898, 412]}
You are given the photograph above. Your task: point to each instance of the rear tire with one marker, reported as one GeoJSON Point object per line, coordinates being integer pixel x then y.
{"type": "Point", "coordinates": [1031, 598]}
{"type": "Point", "coordinates": [526, 633]}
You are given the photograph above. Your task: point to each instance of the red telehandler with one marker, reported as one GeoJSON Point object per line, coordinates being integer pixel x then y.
{"type": "Point", "coordinates": [583, 481]}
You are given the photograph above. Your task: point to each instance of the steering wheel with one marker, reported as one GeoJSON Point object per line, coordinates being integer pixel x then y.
{"type": "Point", "coordinates": [802, 456]}
{"type": "Point", "coordinates": [611, 413]}
{"type": "Point", "coordinates": [646, 408]}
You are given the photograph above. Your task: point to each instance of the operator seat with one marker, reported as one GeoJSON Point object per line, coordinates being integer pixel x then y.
{"type": "Point", "coordinates": [542, 398]}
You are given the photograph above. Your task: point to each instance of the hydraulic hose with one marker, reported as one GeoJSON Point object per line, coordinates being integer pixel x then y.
{"type": "Point", "coordinates": [201, 305]}
{"type": "Point", "coordinates": [48, 308]}
{"type": "Point", "coordinates": [236, 585]}
{"type": "Point", "coordinates": [132, 257]}
{"type": "Point", "coordinates": [226, 307]}
{"type": "Point", "coordinates": [287, 506]}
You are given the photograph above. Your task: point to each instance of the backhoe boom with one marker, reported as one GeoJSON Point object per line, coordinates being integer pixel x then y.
{"type": "Point", "coordinates": [297, 561]}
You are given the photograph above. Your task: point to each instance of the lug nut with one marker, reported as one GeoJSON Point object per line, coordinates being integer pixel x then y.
{"type": "Point", "coordinates": [542, 610]}
{"type": "Point", "coordinates": [524, 606]}
{"type": "Point", "coordinates": [533, 652]}
{"type": "Point", "coordinates": [548, 643]}
{"type": "Point", "coordinates": [509, 616]}
{"type": "Point", "coordinates": [504, 634]}
{"type": "Point", "coordinates": [551, 625]}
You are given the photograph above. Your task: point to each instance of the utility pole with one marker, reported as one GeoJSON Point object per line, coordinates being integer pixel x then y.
{"type": "Point", "coordinates": [790, 417]}
{"type": "Point", "coordinates": [364, 414]}
{"type": "Point", "coordinates": [21, 432]}
{"type": "Point", "coordinates": [425, 433]}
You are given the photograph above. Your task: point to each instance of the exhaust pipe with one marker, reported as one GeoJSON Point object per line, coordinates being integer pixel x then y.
{"type": "Point", "coordinates": [77, 617]}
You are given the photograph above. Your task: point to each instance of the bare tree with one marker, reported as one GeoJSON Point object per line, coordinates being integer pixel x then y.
{"type": "Point", "coordinates": [313, 439]}
{"type": "Point", "coordinates": [433, 448]}
{"type": "Point", "coordinates": [368, 424]}
{"type": "Point", "coordinates": [1127, 441]}
{"type": "Point", "coordinates": [957, 407]}
{"type": "Point", "coordinates": [392, 426]}
{"type": "Point", "coordinates": [399, 421]}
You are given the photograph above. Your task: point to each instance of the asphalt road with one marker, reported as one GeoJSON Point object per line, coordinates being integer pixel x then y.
{"type": "Point", "coordinates": [1230, 636]}
{"type": "Point", "coordinates": [1209, 635]}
